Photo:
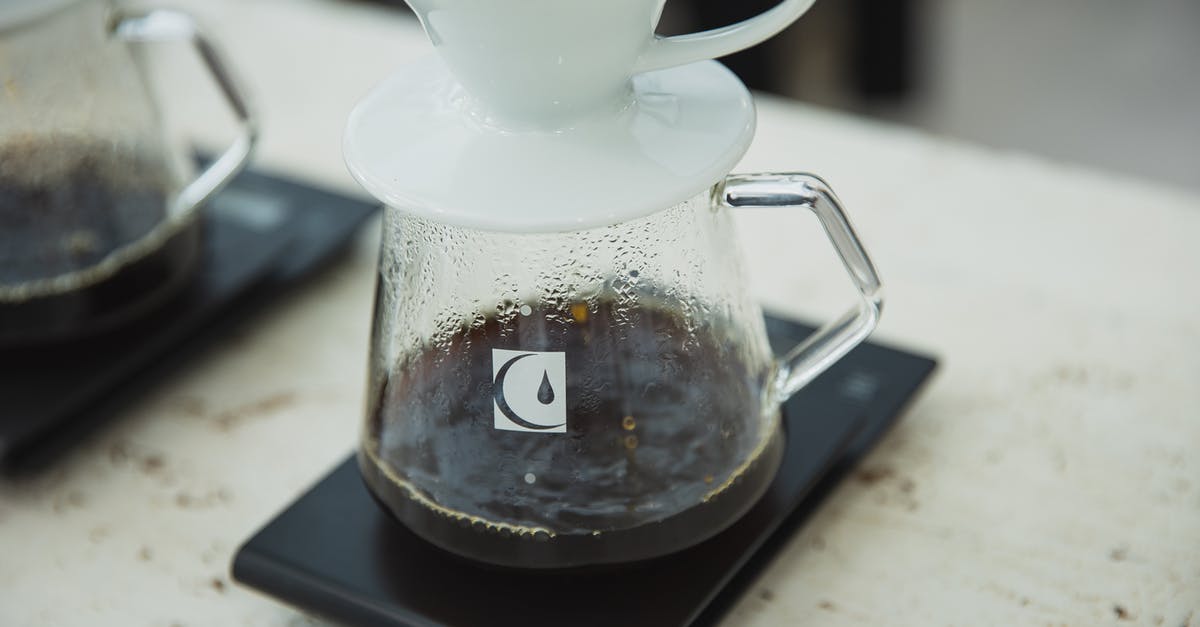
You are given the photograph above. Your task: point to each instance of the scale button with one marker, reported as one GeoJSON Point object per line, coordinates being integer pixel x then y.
{"type": "Point", "coordinates": [859, 386]}
{"type": "Point", "coordinates": [253, 210]}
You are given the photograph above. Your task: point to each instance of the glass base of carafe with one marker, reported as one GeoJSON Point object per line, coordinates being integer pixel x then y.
{"type": "Point", "coordinates": [510, 546]}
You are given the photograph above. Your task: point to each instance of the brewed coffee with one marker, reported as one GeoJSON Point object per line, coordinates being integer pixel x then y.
{"type": "Point", "coordinates": [64, 206]}
{"type": "Point", "coordinates": [84, 236]}
{"type": "Point", "coordinates": [588, 433]}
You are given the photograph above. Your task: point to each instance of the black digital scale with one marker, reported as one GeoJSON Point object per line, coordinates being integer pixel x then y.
{"type": "Point", "coordinates": [334, 552]}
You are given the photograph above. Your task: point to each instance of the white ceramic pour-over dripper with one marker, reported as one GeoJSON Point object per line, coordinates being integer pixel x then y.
{"type": "Point", "coordinates": [555, 115]}
{"type": "Point", "coordinates": [541, 63]}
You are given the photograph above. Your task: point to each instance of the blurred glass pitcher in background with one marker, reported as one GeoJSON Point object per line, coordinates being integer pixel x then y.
{"type": "Point", "coordinates": [97, 213]}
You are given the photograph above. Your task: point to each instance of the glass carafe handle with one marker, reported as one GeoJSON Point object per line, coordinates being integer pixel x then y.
{"type": "Point", "coordinates": [832, 341]}
{"type": "Point", "coordinates": [168, 25]}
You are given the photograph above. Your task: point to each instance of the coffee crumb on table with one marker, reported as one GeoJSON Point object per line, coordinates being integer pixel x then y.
{"type": "Point", "coordinates": [153, 463]}
{"type": "Point", "coordinates": [192, 406]}
{"type": "Point", "coordinates": [230, 419]}
{"type": "Point", "coordinates": [871, 476]}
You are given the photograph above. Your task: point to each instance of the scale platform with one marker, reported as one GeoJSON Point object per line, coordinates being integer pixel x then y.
{"type": "Point", "coordinates": [335, 553]}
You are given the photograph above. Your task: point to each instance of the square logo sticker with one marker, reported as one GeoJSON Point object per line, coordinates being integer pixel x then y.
{"type": "Point", "coordinates": [529, 391]}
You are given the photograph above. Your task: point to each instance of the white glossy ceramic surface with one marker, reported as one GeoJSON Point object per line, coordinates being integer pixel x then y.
{"type": "Point", "coordinates": [416, 143]}
{"type": "Point", "coordinates": [552, 115]}
{"type": "Point", "coordinates": [543, 63]}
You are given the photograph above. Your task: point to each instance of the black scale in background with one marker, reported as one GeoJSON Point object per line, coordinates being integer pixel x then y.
{"type": "Point", "coordinates": [263, 234]}
{"type": "Point", "coordinates": [334, 552]}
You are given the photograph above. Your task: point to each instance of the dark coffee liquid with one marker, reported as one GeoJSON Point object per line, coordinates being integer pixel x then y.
{"type": "Point", "coordinates": [71, 222]}
{"type": "Point", "coordinates": [665, 441]}
{"type": "Point", "coordinates": [66, 206]}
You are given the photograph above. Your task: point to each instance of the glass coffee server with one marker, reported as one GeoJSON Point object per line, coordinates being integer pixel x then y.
{"type": "Point", "coordinates": [567, 368]}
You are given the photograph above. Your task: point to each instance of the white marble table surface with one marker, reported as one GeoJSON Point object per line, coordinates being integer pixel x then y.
{"type": "Point", "coordinates": [1049, 475]}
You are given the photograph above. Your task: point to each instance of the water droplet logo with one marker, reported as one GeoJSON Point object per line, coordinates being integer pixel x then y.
{"type": "Point", "coordinates": [545, 390]}
{"type": "Point", "coordinates": [528, 391]}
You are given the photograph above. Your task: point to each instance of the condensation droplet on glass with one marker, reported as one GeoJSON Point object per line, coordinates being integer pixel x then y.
{"type": "Point", "coordinates": [530, 478]}
{"type": "Point", "coordinates": [526, 310]}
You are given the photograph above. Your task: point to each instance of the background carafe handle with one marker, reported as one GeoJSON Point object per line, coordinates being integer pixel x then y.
{"type": "Point", "coordinates": [664, 52]}
{"type": "Point", "coordinates": [161, 25]}
{"type": "Point", "coordinates": [832, 341]}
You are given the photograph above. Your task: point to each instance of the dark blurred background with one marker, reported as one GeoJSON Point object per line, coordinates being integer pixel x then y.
{"type": "Point", "coordinates": [1107, 83]}
{"type": "Point", "coordinates": [1111, 84]}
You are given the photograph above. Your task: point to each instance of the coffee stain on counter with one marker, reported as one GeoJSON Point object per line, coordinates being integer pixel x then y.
{"type": "Point", "coordinates": [232, 418]}
{"type": "Point", "coordinates": [205, 500]}
{"type": "Point", "coordinates": [124, 454]}
{"type": "Point", "coordinates": [99, 534]}
{"type": "Point", "coordinates": [888, 486]}
{"type": "Point", "coordinates": [65, 503]}
{"type": "Point", "coordinates": [153, 464]}
{"type": "Point", "coordinates": [874, 474]}
{"type": "Point", "coordinates": [1070, 375]}
{"type": "Point", "coordinates": [192, 406]}
{"type": "Point", "coordinates": [215, 553]}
